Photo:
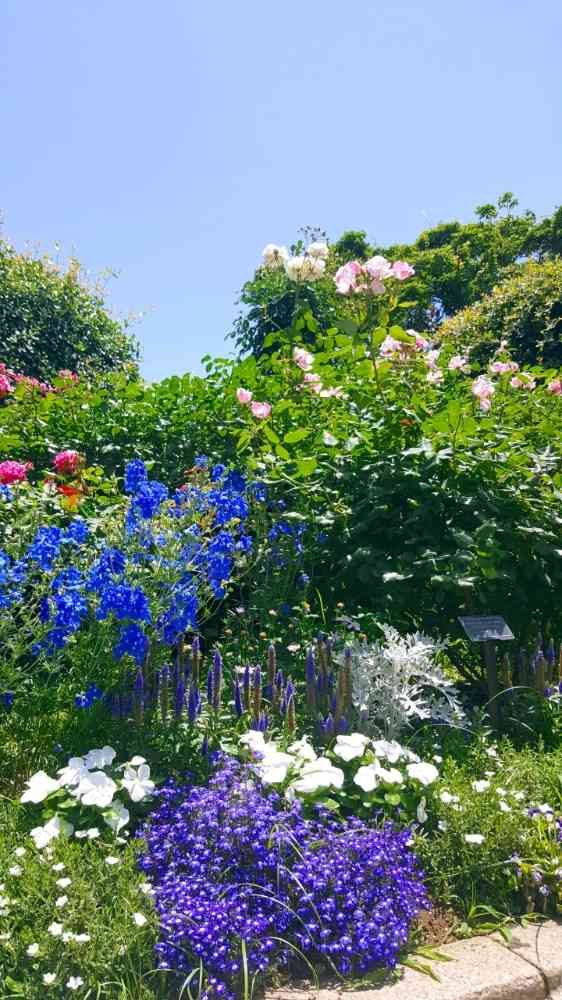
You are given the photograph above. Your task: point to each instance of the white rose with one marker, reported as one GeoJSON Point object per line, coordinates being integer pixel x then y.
{"type": "Point", "coordinates": [274, 256]}
{"type": "Point", "coordinates": [318, 250]}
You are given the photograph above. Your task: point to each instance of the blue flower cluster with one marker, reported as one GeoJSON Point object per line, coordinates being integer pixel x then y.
{"type": "Point", "coordinates": [233, 864]}
{"type": "Point", "coordinates": [85, 699]}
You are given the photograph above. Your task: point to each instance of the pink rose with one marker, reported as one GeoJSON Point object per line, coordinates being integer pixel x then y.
{"type": "Point", "coordinates": [401, 270]}
{"type": "Point", "coordinates": [555, 387]}
{"type": "Point", "coordinates": [6, 386]}
{"type": "Point", "coordinates": [303, 359]}
{"type": "Point", "coordinates": [389, 347]}
{"type": "Point", "coordinates": [378, 268]}
{"type": "Point", "coordinates": [524, 381]}
{"type": "Point", "coordinates": [503, 367]}
{"type": "Point", "coordinates": [459, 362]}
{"type": "Point", "coordinates": [260, 410]}
{"type": "Point", "coordinates": [346, 277]}
{"type": "Point", "coordinates": [14, 472]}
{"type": "Point", "coordinates": [483, 389]}
{"type": "Point", "coordinates": [243, 396]}
{"type": "Point", "coordinates": [67, 461]}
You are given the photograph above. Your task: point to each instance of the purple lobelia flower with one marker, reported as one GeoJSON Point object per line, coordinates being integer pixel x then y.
{"type": "Point", "coordinates": [242, 879]}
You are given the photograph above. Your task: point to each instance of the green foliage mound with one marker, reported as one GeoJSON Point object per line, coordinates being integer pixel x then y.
{"type": "Point", "coordinates": [50, 321]}
{"type": "Point", "coordinates": [524, 310]}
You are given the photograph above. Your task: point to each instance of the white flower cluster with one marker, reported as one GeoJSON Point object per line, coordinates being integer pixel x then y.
{"type": "Point", "coordinates": [308, 266]}
{"type": "Point", "coordinates": [397, 680]}
{"type": "Point", "coordinates": [85, 779]}
{"type": "Point", "coordinates": [307, 772]}
{"type": "Point", "coordinates": [304, 773]}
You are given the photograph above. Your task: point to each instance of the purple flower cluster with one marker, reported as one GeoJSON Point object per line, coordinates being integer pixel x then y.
{"type": "Point", "coordinates": [241, 877]}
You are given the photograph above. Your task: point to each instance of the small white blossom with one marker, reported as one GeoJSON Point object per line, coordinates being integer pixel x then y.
{"type": "Point", "coordinates": [49, 978]}
{"type": "Point", "coordinates": [74, 983]}
{"type": "Point", "coordinates": [110, 860]}
{"type": "Point", "coordinates": [19, 852]}
{"type": "Point", "coordinates": [15, 870]}
{"type": "Point", "coordinates": [504, 807]}
{"type": "Point", "coordinates": [480, 786]}
{"type": "Point", "coordinates": [146, 888]}
{"type": "Point", "coordinates": [59, 867]}
{"type": "Point", "coordinates": [421, 813]}
{"type": "Point", "coordinates": [447, 798]}
{"type": "Point", "coordinates": [139, 919]}
{"type": "Point", "coordinates": [61, 901]}
{"type": "Point", "coordinates": [82, 938]}
{"type": "Point", "coordinates": [42, 835]}
{"type": "Point", "coordinates": [63, 883]}
{"type": "Point", "coordinates": [55, 929]}
{"type": "Point", "coordinates": [32, 950]}
{"type": "Point", "coordinates": [474, 838]}
{"type": "Point", "coordinates": [117, 817]}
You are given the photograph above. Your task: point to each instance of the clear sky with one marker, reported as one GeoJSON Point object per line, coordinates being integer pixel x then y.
{"type": "Point", "coordinates": [171, 140]}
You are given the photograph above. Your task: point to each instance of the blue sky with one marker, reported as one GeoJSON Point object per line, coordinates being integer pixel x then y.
{"type": "Point", "coordinates": [171, 141]}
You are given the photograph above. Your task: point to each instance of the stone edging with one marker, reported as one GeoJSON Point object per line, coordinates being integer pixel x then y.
{"type": "Point", "coordinates": [484, 968]}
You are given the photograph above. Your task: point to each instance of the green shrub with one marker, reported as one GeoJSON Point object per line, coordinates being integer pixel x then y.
{"type": "Point", "coordinates": [524, 311]}
{"type": "Point", "coordinates": [50, 321]}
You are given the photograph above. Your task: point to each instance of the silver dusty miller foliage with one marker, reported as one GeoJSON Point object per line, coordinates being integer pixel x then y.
{"type": "Point", "coordinates": [397, 680]}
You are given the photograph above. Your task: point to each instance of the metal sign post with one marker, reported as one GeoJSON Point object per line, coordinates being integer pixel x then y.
{"type": "Point", "coordinates": [489, 630]}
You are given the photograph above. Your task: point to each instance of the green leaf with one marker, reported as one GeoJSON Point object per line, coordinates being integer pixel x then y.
{"type": "Point", "coordinates": [282, 452]}
{"type": "Point", "coordinates": [306, 466]}
{"type": "Point", "coordinates": [346, 326]}
{"type": "Point", "coordinates": [270, 434]}
{"type": "Point", "coordinates": [422, 967]}
{"type": "Point", "coordinates": [299, 434]}
{"type": "Point", "coordinates": [397, 333]}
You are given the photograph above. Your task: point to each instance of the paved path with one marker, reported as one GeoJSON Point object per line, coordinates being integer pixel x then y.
{"type": "Point", "coordinates": [484, 968]}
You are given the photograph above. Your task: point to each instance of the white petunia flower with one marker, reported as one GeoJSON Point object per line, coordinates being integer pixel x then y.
{"type": "Point", "coordinates": [480, 786]}
{"type": "Point", "coordinates": [117, 817]}
{"type": "Point", "coordinates": [423, 772]}
{"type": "Point", "coordinates": [389, 775]}
{"type": "Point", "coordinates": [367, 777]}
{"type": "Point", "coordinates": [139, 919]}
{"type": "Point", "coordinates": [74, 983]}
{"type": "Point", "coordinates": [135, 761]}
{"type": "Point", "coordinates": [42, 835]}
{"type": "Point", "coordinates": [96, 789]}
{"type": "Point", "coordinates": [421, 813]}
{"type": "Point", "coordinates": [55, 929]}
{"type": "Point", "coordinates": [350, 747]}
{"type": "Point", "coordinates": [302, 749]}
{"type": "Point", "coordinates": [73, 772]}
{"type": "Point", "coordinates": [390, 750]}
{"type": "Point", "coordinates": [49, 978]}
{"type": "Point", "coordinates": [40, 785]}
{"type": "Point", "coordinates": [274, 767]}
{"type": "Point", "coordinates": [474, 838]}
{"type": "Point", "coordinates": [61, 901]}
{"type": "Point", "coordinates": [253, 740]}
{"type": "Point", "coordinates": [32, 950]}
{"type": "Point", "coordinates": [317, 774]}
{"type": "Point", "coordinates": [138, 783]}
{"type": "Point", "coordinates": [99, 757]}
